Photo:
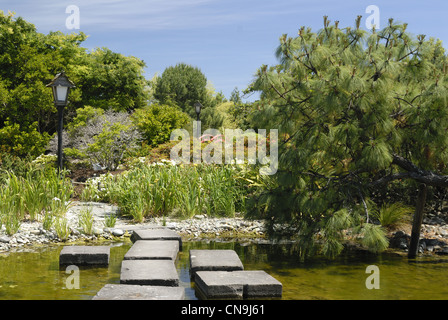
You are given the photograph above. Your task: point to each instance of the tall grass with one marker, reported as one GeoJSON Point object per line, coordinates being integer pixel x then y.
{"type": "Point", "coordinates": [185, 190]}
{"type": "Point", "coordinates": [38, 194]}
{"type": "Point", "coordinates": [392, 215]}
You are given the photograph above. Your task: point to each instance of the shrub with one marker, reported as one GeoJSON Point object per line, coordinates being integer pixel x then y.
{"type": "Point", "coordinates": [156, 122]}
{"type": "Point", "coordinates": [41, 192]}
{"type": "Point", "coordinates": [20, 141]}
{"type": "Point", "coordinates": [103, 137]}
{"type": "Point", "coordinates": [391, 215]}
{"type": "Point", "coordinates": [86, 220]}
{"type": "Point", "coordinates": [164, 188]}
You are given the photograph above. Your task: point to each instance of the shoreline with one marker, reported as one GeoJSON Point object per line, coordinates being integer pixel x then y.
{"type": "Point", "coordinates": [434, 236]}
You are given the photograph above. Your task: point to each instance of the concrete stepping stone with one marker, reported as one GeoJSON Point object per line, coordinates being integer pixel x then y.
{"type": "Point", "coordinates": [136, 292]}
{"type": "Point", "coordinates": [84, 255]}
{"type": "Point", "coordinates": [214, 260]}
{"type": "Point", "coordinates": [153, 250]}
{"type": "Point", "coordinates": [149, 272]}
{"type": "Point", "coordinates": [156, 234]}
{"type": "Point", "coordinates": [237, 284]}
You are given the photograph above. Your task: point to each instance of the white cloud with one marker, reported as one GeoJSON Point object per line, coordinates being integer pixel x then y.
{"type": "Point", "coordinates": [142, 15]}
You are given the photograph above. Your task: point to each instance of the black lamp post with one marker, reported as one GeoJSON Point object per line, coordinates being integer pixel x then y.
{"type": "Point", "coordinates": [197, 108]}
{"type": "Point", "coordinates": [61, 86]}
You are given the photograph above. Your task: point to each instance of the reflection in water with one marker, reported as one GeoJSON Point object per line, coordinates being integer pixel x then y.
{"type": "Point", "coordinates": [36, 275]}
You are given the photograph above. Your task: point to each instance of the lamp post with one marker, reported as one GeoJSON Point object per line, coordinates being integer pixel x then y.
{"type": "Point", "coordinates": [61, 86]}
{"type": "Point", "coordinates": [197, 108]}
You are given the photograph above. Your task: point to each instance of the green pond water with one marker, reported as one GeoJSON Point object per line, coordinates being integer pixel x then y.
{"type": "Point", "coordinates": [36, 275]}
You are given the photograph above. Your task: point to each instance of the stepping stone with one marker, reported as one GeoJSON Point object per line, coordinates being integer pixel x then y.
{"type": "Point", "coordinates": [149, 272]}
{"type": "Point", "coordinates": [214, 260]}
{"type": "Point", "coordinates": [136, 292]}
{"type": "Point", "coordinates": [153, 250]}
{"type": "Point", "coordinates": [237, 284]}
{"type": "Point", "coordinates": [84, 255]}
{"type": "Point", "coordinates": [156, 234]}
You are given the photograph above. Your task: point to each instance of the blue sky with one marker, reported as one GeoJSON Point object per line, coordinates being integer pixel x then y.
{"type": "Point", "coordinates": [227, 39]}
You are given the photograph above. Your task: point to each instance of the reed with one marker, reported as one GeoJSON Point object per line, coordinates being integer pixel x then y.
{"type": "Point", "coordinates": [33, 196]}
{"type": "Point", "coordinates": [160, 190]}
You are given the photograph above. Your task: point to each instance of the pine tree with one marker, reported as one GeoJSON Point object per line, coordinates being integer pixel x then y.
{"type": "Point", "coordinates": [356, 111]}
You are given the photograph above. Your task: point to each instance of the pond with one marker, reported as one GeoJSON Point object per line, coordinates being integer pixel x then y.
{"type": "Point", "coordinates": [36, 275]}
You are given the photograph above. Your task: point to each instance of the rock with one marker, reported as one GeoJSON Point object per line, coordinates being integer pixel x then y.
{"type": "Point", "coordinates": [444, 251]}
{"type": "Point", "coordinates": [75, 232]}
{"type": "Point", "coordinates": [136, 292]}
{"type": "Point", "coordinates": [84, 255]}
{"type": "Point", "coordinates": [97, 231]}
{"type": "Point", "coordinates": [117, 232]}
{"type": "Point", "coordinates": [5, 239]}
{"type": "Point", "coordinates": [400, 240]}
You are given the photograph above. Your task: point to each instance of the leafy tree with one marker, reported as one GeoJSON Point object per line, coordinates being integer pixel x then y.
{"type": "Point", "coordinates": [109, 80]}
{"type": "Point", "coordinates": [241, 112]}
{"type": "Point", "coordinates": [156, 122]}
{"type": "Point", "coordinates": [181, 85]}
{"type": "Point", "coordinates": [29, 60]}
{"type": "Point", "coordinates": [356, 111]}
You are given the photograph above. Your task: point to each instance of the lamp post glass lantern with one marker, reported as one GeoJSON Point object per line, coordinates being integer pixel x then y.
{"type": "Point", "coordinates": [61, 86]}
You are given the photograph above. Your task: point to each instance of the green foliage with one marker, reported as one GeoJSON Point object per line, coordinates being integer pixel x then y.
{"type": "Point", "coordinates": [22, 141]}
{"type": "Point", "coordinates": [392, 215]}
{"type": "Point", "coordinates": [109, 80]}
{"type": "Point", "coordinates": [240, 112]}
{"type": "Point", "coordinates": [374, 238]}
{"type": "Point", "coordinates": [346, 102]}
{"type": "Point", "coordinates": [29, 60]}
{"type": "Point", "coordinates": [85, 221]}
{"type": "Point", "coordinates": [13, 164]}
{"type": "Point", "coordinates": [110, 220]}
{"type": "Point", "coordinates": [62, 228]}
{"type": "Point", "coordinates": [156, 122]}
{"type": "Point", "coordinates": [39, 193]}
{"type": "Point", "coordinates": [164, 188]}
{"type": "Point", "coordinates": [182, 85]}
{"type": "Point", "coordinates": [83, 116]}
{"type": "Point", "coordinates": [110, 145]}
{"type": "Point", "coordinates": [102, 137]}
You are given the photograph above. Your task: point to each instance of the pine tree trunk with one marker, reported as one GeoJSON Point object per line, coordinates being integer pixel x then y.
{"type": "Point", "coordinates": [417, 223]}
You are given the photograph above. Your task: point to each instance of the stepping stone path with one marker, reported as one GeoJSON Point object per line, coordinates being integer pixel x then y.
{"type": "Point", "coordinates": [219, 274]}
{"type": "Point", "coordinates": [136, 292]}
{"type": "Point", "coordinates": [153, 250]}
{"type": "Point", "coordinates": [237, 284]}
{"type": "Point", "coordinates": [214, 260]}
{"type": "Point", "coordinates": [149, 273]}
{"type": "Point", "coordinates": [156, 234]}
{"type": "Point", "coordinates": [84, 255]}
{"type": "Point", "coordinates": [148, 270]}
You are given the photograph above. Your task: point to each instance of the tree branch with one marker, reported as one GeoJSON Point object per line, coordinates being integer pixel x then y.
{"type": "Point", "coordinates": [412, 172]}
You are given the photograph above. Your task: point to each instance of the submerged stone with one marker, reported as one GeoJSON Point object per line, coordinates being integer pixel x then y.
{"type": "Point", "coordinates": [137, 292]}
